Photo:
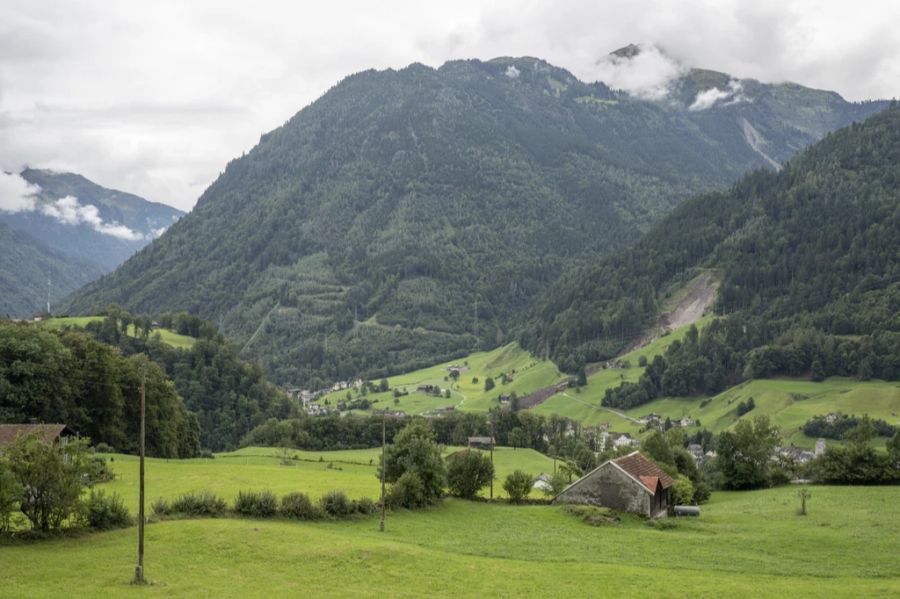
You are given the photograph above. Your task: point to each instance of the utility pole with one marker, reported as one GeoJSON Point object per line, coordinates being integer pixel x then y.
{"type": "Point", "coordinates": [492, 454]}
{"type": "Point", "coordinates": [383, 466]}
{"type": "Point", "coordinates": [139, 570]}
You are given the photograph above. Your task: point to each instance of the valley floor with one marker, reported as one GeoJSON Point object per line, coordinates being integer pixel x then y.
{"type": "Point", "coordinates": [749, 544]}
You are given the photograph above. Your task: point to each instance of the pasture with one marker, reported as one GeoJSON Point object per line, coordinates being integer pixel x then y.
{"type": "Point", "coordinates": [750, 544]}
{"type": "Point", "coordinates": [166, 336]}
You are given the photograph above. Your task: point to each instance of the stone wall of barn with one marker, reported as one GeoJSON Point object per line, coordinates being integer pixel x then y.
{"type": "Point", "coordinates": [609, 487]}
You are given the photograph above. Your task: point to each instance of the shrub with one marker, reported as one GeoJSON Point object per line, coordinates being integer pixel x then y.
{"type": "Point", "coordinates": [10, 493]}
{"type": "Point", "coordinates": [518, 485]}
{"type": "Point", "coordinates": [336, 504]}
{"type": "Point", "coordinates": [98, 471]}
{"type": "Point", "coordinates": [257, 504]}
{"type": "Point", "coordinates": [203, 503]}
{"type": "Point", "coordinates": [702, 491]}
{"type": "Point", "coordinates": [408, 491]}
{"type": "Point", "coordinates": [366, 506]}
{"type": "Point", "coordinates": [299, 507]}
{"type": "Point", "coordinates": [468, 472]}
{"type": "Point", "coordinates": [105, 512]}
{"type": "Point", "coordinates": [104, 448]}
{"type": "Point", "coordinates": [683, 491]}
{"type": "Point", "coordinates": [160, 507]}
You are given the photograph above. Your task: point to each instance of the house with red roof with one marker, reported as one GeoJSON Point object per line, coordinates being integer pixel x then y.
{"type": "Point", "coordinates": [632, 483]}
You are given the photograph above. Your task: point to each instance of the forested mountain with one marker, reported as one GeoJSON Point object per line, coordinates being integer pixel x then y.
{"type": "Point", "coordinates": [87, 222]}
{"type": "Point", "coordinates": [410, 216]}
{"type": "Point", "coordinates": [29, 271]}
{"type": "Point", "coordinates": [809, 261]}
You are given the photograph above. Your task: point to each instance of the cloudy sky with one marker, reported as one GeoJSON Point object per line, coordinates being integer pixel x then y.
{"type": "Point", "coordinates": [155, 97]}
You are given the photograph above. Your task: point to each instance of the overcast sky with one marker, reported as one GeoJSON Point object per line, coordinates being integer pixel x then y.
{"type": "Point", "coordinates": [155, 97]}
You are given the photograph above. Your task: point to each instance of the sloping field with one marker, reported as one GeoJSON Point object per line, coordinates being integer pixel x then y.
{"type": "Point", "coordinates": [166, 336]}
{"type": "Point", "coordinates": [749, 544]}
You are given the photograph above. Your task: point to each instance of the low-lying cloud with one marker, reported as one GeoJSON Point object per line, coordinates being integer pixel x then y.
{"type": "Point", "coordinates": [648, 74]}
{"type": "Point", "coordinates": [710, 97]}
{"type": "Point", "coordinates": [18, 195]}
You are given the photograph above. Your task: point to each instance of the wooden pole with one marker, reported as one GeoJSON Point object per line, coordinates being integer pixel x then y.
{"type": "Point", "coordinates": [492, 455]}
{"type": "Point", "coordinates": [383, 466]}
{"type": "Point", "coordinates": [139, 570]}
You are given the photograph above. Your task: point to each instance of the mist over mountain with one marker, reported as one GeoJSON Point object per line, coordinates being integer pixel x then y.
{"type": "Point", "coordinates": [410, 216]}
{"type": "Point", "coordinates": [80, 219]}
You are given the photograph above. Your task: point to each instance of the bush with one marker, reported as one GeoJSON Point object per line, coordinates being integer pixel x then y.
{"type": "Point", "coordinates": [468, 472]}
{"type": "Point", "coordinates": [408, 492]}
{"type": "Point", "coordinates": [105, 512]}
{"type": "Point", "coordinates": [256, 504]}
{"type": "Point", "coordinates": [336, 504]}
{"type": "Point", "coordinates": [683, 491]}
{"type": "Point", "coordinates": [366, 506]}
{"type": "Point", "coordinates": [10, 493]}
{"type": "Point", "coordinates": [104, 448]}
{"type": "Point", "coordinates": [299, 507]}
{"type": "Point", "coordinates": [203, 503]}
{"type": "Point", "coordinates": [98, 471]}
{"type": "Point", "coordinates": [518, 485]}
{"type": "Point", "coordinates": [702, 492]}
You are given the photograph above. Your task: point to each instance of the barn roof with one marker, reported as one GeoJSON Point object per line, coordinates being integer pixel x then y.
{"type": "Point", "coordinates": [644, 470]}
{"type": "Point", "coordinates": [48, 433]}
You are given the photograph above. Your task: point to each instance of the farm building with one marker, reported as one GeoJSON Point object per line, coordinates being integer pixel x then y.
{"type": "Point", "coordinates": [632, 483]}
{"type": "Point", "coordinates": [481, 442]}
{"type": "Point", "coordinates": [48, 433]}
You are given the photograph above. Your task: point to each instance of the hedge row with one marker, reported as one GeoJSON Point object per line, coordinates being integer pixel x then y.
{"type": "Point", "coordinates": [265, 504]}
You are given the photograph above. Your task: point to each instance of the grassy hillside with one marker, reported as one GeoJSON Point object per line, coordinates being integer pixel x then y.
{"type": "Point", "coordinates": [528, 374]}
{"type": "Point", "coordinates": [749, 544]}
{"type": "Point", "coordinates": [166, 336]}
{"type": "Point", "coordinates": [788, 403]}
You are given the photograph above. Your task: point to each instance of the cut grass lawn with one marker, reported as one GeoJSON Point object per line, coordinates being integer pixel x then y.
{"type": "Point", "coordinates": [750, 544]}
{"type": "Point", "coordinates": [166, 336]}
{"type": "Point", "coordinates": [313, 472]}
{"type": "Point", "coordinates": [528, 374]}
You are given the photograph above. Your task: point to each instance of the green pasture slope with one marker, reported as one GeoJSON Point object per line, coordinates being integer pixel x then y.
{"type": "Point", "coordinates": [315, 473]}
{"type": "Point", "coordinates": [166, 336]}
{"type": "Point", "coordinates": [750, 544]}
{"type": "Point", "coordinates": [788, 402]}
{"type": "Point", "coordinates": [528, 374]}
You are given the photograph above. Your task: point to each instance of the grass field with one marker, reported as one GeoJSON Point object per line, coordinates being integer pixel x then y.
{"type": "Point", "coordinates": [788, 403]}
{"type": "Point", "coordinates": [258, 468]}
{"type": "Point", "coordinates": [749, 544]}
{"type": "Point", "coordinates": [528, 374]}
{"type": "Point", "coordinates": [166, 336]}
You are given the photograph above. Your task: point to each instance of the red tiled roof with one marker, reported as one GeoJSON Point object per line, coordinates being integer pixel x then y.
{"type": "Point", "coordinates": [644, 470]}
{"type": "Point", "coordinates": [48, 433]}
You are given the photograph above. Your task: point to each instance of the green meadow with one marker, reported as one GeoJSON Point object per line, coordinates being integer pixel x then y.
{"type": "Point", "coordinates": [528, 374]}
{"type": "Point", "coordinates": [315, 473]}
{"type": "Point", "coordinates": [166, 336]}
{"type": "Point", "coordinates": [750, 544]}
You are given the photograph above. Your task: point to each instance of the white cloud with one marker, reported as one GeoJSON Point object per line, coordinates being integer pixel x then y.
{"type": "Point", "coordinates": [69, 211]}
{"type": "Point", "coordinates": [648, 74]}
{"type": "Point", "coordinates": [710, 97]}
{"type": "Point", "coordinates": [16, 194]}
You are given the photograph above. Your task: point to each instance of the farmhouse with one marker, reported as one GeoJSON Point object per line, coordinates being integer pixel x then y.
{"type": "Point", "coordinates": [632, 483]}
{"type": "Point", "coordinates": [481, 442]}
{"type": "Point", "coordinates": [55, 434]}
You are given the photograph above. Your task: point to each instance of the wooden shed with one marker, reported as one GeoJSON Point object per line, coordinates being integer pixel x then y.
{"type": "Point", "coordinates": [633, 483]}
{"type": "Point", "coordinates": [48, 433]}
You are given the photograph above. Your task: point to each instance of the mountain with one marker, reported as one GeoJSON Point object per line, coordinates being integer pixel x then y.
{"type": "Point", "coordinates": [808, 265]}
{"type": "Point", "coordinates": [29, 271]}
{"type": "Point", "coordinates": [83, 220]}
{"type": "Point", "coordinates": [411, 216]}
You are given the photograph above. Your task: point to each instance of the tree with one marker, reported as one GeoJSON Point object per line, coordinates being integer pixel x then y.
{"type": "Point", "coordinates": [468, 472]}
{"type": "Point", "coordinates": [743, 454]}
{"type": "Point", "coordinates": [52, 479]}
{"type": "Point", "coordinates": [488, 383]}
{"type": "Point", "coordinates": [683, 491]}
{"type": "Point", "coordinates": [803, 494]}
{"type": "Point", "coordinates": [517, 438]}
{"type": "Point", "coordinates": [817, 371]}
{"type": "Point", "coordinates": [10, 493]}
{"type": "Point", "coordinates": [415, 454]}
{"type": "Point", "coordinates": [657, 447]}
{"type": "Point", "coordinates": [518, 485]}
{"type": "Point", "coordinates": [383, 385]}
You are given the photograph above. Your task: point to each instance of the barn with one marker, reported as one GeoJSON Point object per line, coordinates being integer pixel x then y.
{"type": "Point", "coordinates": [56, 434]}
{"type": "Point", "coordinates": [633, 483]}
